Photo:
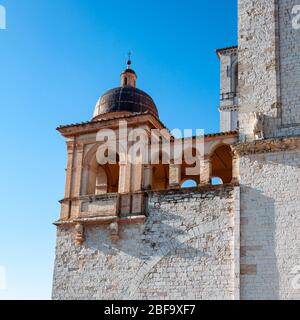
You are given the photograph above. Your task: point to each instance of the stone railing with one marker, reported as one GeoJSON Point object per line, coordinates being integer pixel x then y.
{"type": "Point", "coordinates": [113, 205]}
{"type": "Point", "coordinates": [106, 205]}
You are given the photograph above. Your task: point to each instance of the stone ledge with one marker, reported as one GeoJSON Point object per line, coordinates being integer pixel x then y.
{"type": "Point", "coordinates": [101, 220]}
{"type": "Point", "coordinates": [267, 146]}
{"type": "Point", "coordinates": [199, 189]}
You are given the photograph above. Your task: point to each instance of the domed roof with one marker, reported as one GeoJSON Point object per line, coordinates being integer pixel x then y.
{"type": "Point", "coordinates": [125, 98]}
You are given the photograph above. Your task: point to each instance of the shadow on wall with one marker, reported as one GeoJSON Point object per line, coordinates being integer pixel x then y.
{"type": "Point", "coordinates": [145, 241]}
{"type": "Point", "coordinates": [259, 269]}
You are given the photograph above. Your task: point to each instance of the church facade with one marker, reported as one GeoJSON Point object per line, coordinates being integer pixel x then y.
{"type": "Point", "coordinates": [129, 230]}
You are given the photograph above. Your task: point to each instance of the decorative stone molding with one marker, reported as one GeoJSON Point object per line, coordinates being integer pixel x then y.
{"type": "Point", "coordinates": [266, 146]}
{"type": "Point", "coordinates": [258, 125]}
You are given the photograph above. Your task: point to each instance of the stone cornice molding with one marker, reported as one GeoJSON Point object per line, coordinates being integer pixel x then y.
{"type": "Point", "coordinates": [267, 146]}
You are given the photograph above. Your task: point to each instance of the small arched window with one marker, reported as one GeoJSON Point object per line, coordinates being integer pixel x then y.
{"type": "Point", "coordinates": [215, 181]}
{"type": "Point", "coordinates": [125, 81]}
{"type": "Point", "coordinates": [189, 184]}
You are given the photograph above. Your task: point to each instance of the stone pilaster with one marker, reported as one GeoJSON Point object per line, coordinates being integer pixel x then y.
{"type": "Point", "coordinates": [147, 179]}
{"type": "Point", "coordinates": [205, 171]}
{"type": "Point", "coordinates": [70, 157]}
{"type": "Point", "coordinates": [235, 168]}
{"type": "Point", "coordinates": [125, 178]}
{"type": "Point", "coordinates": [175, 176]}
{"type": "Point", "coordinates": [78, 168]}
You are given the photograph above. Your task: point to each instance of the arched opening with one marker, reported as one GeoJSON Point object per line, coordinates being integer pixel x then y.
{"type": "Point", "coordinates": [103, 179]}
{"type": "Point", "coordinates": [189, 184]}
{"type": "Point", "coordinates": [221, 161]}
{"type": "Point", "coordinates": [160, 175]}
{"type": "Point", "coordinates": [125, 81]}
{"type": "Point", "coordinates": [216, 181]}
{"type": "Point", "coordinates": [190, 168]}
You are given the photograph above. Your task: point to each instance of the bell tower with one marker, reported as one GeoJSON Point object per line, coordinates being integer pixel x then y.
{"type": "Point", "coordinates": [228, 88]}
{"type": "Point", "coordinates": [269, 148]}
{"type": "Point", "coordinates": [269, 68]}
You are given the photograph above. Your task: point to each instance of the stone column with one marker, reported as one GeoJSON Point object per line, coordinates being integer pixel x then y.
{"type": "Point", "coordinates": [85, 180]}
{"type": "Point", "coordinates": [175, 176]}
{"type": "Point", "coordinates": [137, 177]}
{"type": "Point", "coordinates": [147, 178]}
{"type": "Point", "coordinates": [125, 178]}
{"type": "Point", "coordinates": [77, 178]}
{"type": "Point", "coordinates": [66, 203]}
{"type": "Point", "coordinates": [205, 171]}
{"type": "Point", "coordinates": [235, 168]}
{"type": "Point", "coordinates": [78, 168]}
{"type": "Point", "coordinates": [70, 150]}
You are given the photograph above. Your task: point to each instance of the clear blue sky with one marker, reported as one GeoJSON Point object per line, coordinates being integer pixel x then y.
{"type": "Point", "coordinates": [57, 57]}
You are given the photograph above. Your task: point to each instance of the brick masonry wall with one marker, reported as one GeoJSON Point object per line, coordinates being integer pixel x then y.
{"type": "Point", "coordinates": [184, 251]}
{"type": "Point", "coordinates": [270, 224]}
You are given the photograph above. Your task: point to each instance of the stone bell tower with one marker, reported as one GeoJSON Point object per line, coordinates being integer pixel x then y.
{"type": "Point", "coordinates": [269, 148]}
{"type": "Point", "coordinates": [269, 68]}
{"type": "Point", "coordinates": [130, 230]}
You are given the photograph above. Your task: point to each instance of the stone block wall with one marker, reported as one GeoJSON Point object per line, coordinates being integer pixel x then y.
{"type": "Point", "coordinates": [185, 250]}
{"type": "Point", "coordinates": [269, 69]}
{"type": "Point", "coordinates": [257, 65]}
{"type": "Point", "coordinates": [289, 39]}
{"type": "Point", "coordinates": [270, 225]}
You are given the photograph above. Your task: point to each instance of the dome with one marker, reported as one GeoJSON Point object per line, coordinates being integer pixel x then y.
{"type": "Point", "coordinates": [126, 98]}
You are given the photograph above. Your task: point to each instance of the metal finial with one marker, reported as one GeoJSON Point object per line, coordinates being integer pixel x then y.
{"type": "Point", "coordinates": [129, 60]}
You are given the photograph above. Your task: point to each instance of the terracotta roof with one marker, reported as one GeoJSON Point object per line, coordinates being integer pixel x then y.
{"type": "Point", "coordinates": [222, 50]}
{"type": "Point", "coordinates": [105, 119]}
{"type": "Point", "coordinates": [219, 134]}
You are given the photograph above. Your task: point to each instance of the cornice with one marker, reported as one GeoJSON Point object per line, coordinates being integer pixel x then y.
{"type": "Point", "coordinates": [267, 146]}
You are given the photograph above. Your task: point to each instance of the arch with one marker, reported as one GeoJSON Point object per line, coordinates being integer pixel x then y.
{"type": "Point", "coordinates": [221, 162]}
{"type": "Point", "coordinates": [189, 170]}
{"type": "Point", "coordinates": [92, 152]}
{"type": "Point", "coordinates": [160, 171]}
{"type": "Point", "coordinates": [189, 183]}
{"type": "Point", "coordinates": [99, 179]}
{"type": "Point", "coordinates": [216, 181]}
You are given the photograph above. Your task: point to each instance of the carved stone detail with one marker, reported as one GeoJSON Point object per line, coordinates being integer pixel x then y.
{"type": "Point", "coordinates": [258, 125]}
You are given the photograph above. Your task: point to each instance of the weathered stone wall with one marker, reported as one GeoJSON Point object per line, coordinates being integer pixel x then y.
{"type": "Point", "coordinates": [289, 52]}
{"type": "Point", "coordinates": [185, 250]}
{"type": "Point", "coordinates": [269, 82]}
{"type": "Point", "coordinates": [270, 225]}
{"type": "Point", "coordinates": [257, 65]}
{"type": "Point", "coordinates": [228, 102]}
{"type": "Point", "coordinates": [269, 71]}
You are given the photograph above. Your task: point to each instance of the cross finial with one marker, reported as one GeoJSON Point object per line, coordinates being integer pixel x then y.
{"type": "Point", "coordinates": [129, 60]}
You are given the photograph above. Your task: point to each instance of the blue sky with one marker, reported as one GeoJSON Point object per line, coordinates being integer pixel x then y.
{"type": "Point", "coordinates": [56, 58]}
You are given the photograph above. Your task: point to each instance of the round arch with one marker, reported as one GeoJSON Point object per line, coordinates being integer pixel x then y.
{"type": "Point", "coordinates": [221, 162]}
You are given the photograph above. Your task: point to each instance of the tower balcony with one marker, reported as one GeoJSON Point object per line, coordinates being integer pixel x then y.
{"type": "Point", "coordinates": [105, 208]}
